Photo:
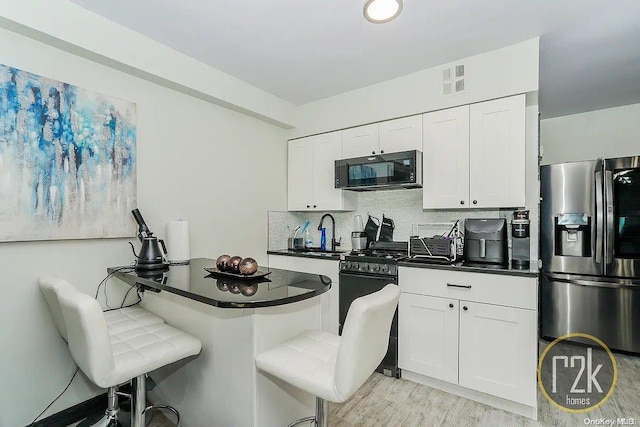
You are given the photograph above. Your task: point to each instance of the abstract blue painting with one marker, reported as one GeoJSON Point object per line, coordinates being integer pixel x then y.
{"type": "Point", "coordinates": [67, 160]}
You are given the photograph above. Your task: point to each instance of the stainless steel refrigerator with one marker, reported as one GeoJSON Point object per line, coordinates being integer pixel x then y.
{"type": "Point", "coordinates": [590, 250]}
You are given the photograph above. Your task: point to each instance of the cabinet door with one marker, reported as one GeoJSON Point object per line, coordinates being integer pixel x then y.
{"type": "Point", "coordinates": [428, 336]}
{"type": "Point", "coordinates": [300, 175]}
{"type": "Point", "coordinates": [327, 148]}
{"type": "Point", "coordinates": [361, 141]}
{"type": "Point", "coordinates": [401, 135]}
{"type": "Point", "coordinates": [497, 153]}
{"type": "Point", "coordinates": [445, 162]}
{"type": "Point", "coordinates": [498, 351]}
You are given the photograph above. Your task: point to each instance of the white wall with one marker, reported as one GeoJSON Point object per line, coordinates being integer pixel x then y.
{"type": "Point", "coordinates": [612, 132]}
{"type": "Point", "coordinates": [216, 168]}
{"type": "Point", "coordinates": [68, 26]}
{"type": "Point", "coordinates": [495, 74]}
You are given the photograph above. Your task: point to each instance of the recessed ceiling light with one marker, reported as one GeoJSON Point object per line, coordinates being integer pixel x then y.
{"type": "Point", "coordinates": [381, 11]}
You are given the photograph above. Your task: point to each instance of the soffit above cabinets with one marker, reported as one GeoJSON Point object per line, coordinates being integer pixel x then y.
{"type": "Point", "coordinates": [285, 49]}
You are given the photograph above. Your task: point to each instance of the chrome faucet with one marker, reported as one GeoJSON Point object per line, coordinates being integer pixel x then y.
{"type": "Point", "coordinates": [334, 243]}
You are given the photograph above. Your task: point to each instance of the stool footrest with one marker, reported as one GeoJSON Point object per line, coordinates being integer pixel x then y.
{"type": "Point", "coordinates": [303, 420]}
{"type": "Point", "coordinates": [168, 408]}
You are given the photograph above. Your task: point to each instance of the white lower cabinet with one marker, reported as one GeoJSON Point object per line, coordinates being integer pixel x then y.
{"type": "Point", "coordinates": [428, 336]}
{"type": "Point", "coordinates": [498, 351]}
{"type": "Point", "coordinates": [450, 333]}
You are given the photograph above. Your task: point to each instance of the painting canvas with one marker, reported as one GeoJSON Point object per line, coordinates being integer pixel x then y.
{"type": "Point", "coordinates": [67, 160]}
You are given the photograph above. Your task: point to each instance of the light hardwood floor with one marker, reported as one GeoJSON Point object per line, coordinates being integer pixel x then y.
{"type": "Point", "coordinates": [384, 401]}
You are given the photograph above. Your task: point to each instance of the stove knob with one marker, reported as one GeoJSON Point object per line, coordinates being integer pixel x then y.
{"type": "Point", "coordinates": [385, 268]}
{"type": "Point", "coordinates": [347, 265]}
{"type": "Point", "coordinates": [376, 267]}
{"type": "Point", "coordinates": [356, 266]}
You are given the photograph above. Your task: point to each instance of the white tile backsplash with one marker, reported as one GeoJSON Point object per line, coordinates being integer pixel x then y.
{"type": "Point", "coordinates": [403, 206]}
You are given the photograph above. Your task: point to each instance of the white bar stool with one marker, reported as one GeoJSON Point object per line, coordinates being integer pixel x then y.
{"type": "Point", "coordinates": [119, 320]}
{"type": "Point", "coordinates": [333, 367]}
{"type": "Point", "coordinates": [109, 358]}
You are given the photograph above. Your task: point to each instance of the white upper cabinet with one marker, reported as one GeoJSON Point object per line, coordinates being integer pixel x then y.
{"type": "Point", "coordinates": [445, 179]}
{"type": "Point", "coordinates": [497, 153]}
{"type": "Point", "coordinates": [403, 134]}
{"type": "Point", "coordinates": [360, 141]}
{"type": "Point", "coordinates": [391, 136]}
{"type": "Point", "coordinates": [311, 175]}
{"type": "Point", "coordinates": [300, 176]}
{"type": "Point", "coordinates": [474, 156]}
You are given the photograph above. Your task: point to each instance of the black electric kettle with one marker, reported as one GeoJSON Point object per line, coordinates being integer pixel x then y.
{"type": "Point", "coordinates": [153, 250]}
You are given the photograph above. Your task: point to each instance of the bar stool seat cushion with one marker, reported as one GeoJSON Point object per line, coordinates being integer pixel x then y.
{"type": "Point", "coordinates": [124, 319]}
{"type": "Point", "coordinates": [333, 367]}
{"type": "Point", "coordinates": [141, 350]}
{"type": "Point", "coordinates": [306, 361]}
{"type": "Point", "coordinates": [111, 359]}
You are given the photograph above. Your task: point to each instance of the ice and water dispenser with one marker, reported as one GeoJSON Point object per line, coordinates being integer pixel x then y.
{"type": "Point", "coordinates": [572, 234]}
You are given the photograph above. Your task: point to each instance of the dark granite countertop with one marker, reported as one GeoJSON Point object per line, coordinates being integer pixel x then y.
{"type": "Point", "coordinates": [192, 281]}
{"type": "Point", "coordinates": [472, 268]}
{"type": "Point", "coordinates": [418, 263]}
{"type": "Point", "coordinates": [335, 256]}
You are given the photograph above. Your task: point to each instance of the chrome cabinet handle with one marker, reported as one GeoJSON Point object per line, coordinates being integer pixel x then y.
{"type": "Point", "coordinates": [459, 286]}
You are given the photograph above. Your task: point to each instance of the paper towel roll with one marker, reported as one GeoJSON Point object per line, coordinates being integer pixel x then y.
{"type": "Point", "coordinates": [179, 276]}
{"type": "Point", "coordinates": [178, 245]}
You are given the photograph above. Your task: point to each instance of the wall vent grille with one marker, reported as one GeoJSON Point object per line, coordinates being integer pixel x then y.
{"type": "Point", "coordinates": [453, 80]}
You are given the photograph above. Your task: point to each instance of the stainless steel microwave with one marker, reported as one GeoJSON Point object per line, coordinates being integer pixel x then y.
{"type": "Point", "coordinates": [380, 172]}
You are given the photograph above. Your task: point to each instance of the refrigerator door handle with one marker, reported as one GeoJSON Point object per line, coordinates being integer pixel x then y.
{"type": "Point", "coordinates": [599, 213]}
{"type": "Point", "coordinates": [610, 231]}
{"type": "Point", "coordinates": [587, 282]}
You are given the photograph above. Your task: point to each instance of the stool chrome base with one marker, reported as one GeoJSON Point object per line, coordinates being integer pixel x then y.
{"type": "Point", "coordinates": [138, 407]}
{"type": "Point", "coordinates": [320, 419]}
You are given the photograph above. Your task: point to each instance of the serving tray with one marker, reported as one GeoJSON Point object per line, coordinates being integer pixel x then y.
{"type": "Point", "coordinates": [257, 275]}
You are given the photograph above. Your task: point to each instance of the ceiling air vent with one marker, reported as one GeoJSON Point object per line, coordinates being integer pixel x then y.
{"type": "Point", "coordinates": [453, 80]}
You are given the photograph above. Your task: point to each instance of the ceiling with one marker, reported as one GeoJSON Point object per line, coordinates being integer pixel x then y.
{"type": "Point", "coordinates": [303, 51]}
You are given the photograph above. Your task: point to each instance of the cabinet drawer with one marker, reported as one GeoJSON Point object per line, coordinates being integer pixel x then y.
{"type": "Point", "coordinates": [496, 289]}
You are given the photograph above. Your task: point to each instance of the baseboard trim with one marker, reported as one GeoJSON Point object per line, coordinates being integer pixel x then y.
{"type": "Point", "coordinates": [496, 402]}
{"type": "Point", "coordinates": [74, 414]}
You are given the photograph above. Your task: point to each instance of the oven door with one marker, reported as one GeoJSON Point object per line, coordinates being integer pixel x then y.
{"type": "Point", "coordinates": [622, 207]}
{"type": "Point", "coordinates": [355, 285]}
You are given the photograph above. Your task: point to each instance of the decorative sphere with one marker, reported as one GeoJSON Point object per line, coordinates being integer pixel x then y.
{"type": "Point", "coordinates": [248, 266]}
{"type": "Point", "coordinates": [222, 261]}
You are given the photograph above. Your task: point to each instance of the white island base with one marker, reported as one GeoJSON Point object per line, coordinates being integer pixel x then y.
{"type": "Point", "coordinates": [221, 386]}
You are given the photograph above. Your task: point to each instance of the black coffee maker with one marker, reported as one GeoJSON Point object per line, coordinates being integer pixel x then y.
{"type": "Point", "coordinates": [153, 250]}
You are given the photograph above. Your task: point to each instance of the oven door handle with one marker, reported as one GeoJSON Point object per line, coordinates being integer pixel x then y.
{"type": "Point", "coordinates": [392, 279]}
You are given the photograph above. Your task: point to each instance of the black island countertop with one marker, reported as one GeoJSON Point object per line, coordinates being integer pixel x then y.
{"type": "Point", "coordinates": [191, 281]}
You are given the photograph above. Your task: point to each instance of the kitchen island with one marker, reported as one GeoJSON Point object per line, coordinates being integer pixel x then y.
{"type": "Point", "coordinates": [235, 319]}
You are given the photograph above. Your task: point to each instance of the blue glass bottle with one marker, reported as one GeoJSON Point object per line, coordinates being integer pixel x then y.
{"type": "Point", "coordinates": [323, 239]}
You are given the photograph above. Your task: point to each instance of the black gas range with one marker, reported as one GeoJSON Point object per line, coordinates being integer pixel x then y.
{"type": "Point", "coordinates": [366, 272]}
{"type": "Point", "coordinates": [380, 259]}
